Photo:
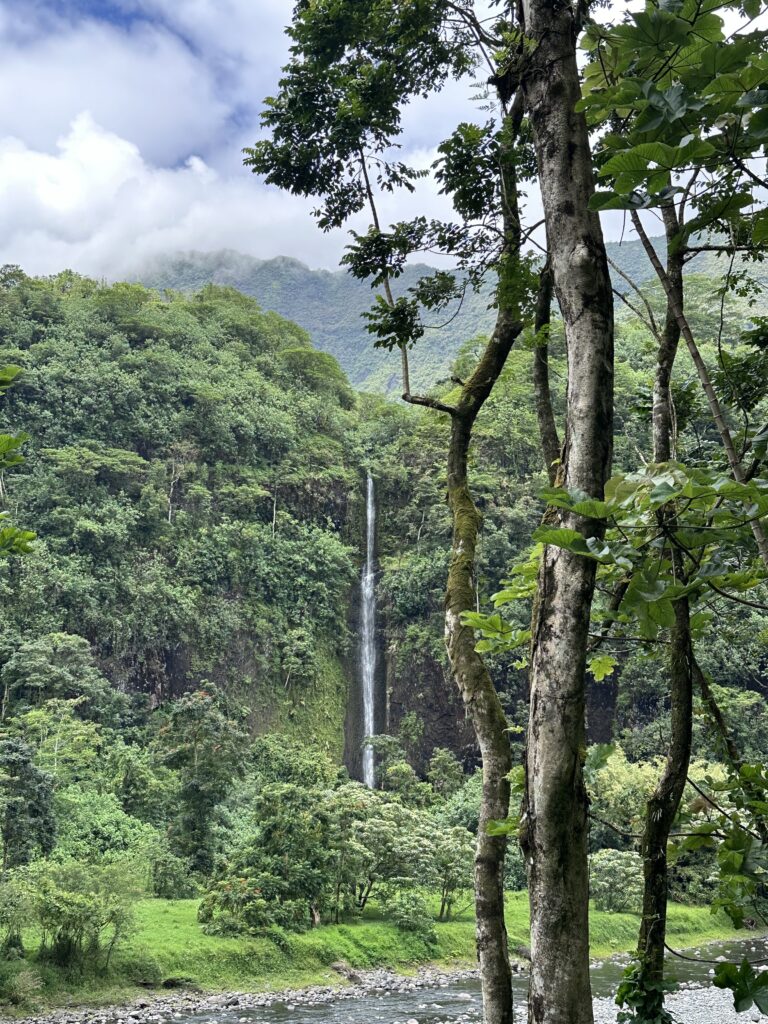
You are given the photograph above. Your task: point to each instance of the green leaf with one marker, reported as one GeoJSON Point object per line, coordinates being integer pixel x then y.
{"type": "Point", "coordinates": [562, 537]}
{"type": "Point", "coordinates": [760, 227]}
{"type": "Point", "coordinates": [506, 827]}
{"type": "Point", "coordinates": [601, 666]}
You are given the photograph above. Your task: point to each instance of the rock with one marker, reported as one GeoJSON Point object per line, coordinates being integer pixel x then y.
{"type": "Point", "coordinates": [346, 971]}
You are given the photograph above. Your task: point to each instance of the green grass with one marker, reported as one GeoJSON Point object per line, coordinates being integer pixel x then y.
{"type": "Point", "coordinates": [168, 944]}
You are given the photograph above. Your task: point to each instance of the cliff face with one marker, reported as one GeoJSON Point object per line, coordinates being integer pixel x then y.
{"type": "Point", "coordinates": [195, 477]}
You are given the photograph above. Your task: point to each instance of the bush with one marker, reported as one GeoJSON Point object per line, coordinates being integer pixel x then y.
{"type": "Point", "coordinates": [94, 827]}
{"type": "Point", "coordinates": [616, 880]}
{"type": "Point", "coordinates": [143, 969]}
{"type": "Point", "coordinates": [408, 909]}
{"type": "Point", "coordinates": [19, 984]}
{"type": "Point", "coordinates": [16, 908]}
{"type": "Point", "coordinates": [248, 905]}
{"type": "Point", "coordinates": [83, 911]}
{"type": "Point", "coordinates": [172, 877]}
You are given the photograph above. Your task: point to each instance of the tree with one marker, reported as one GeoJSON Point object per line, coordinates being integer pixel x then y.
{"type": "Point", "coordinates": [445, 773]}
{"type": "Point", "coordinates": [690, 125]}
{"type": "Point", "coordinates": [60, 666]}
{"type": "Point", "coordinates": [555, 815]}
{"type": "Point", "coordinates": [206, 746]}
{"type": "Point", "coordinates": [27, 824]}
{"type": "Point", "coordinates": [13, 541]}
{"type": "Point", "coordinates": [452, 864]}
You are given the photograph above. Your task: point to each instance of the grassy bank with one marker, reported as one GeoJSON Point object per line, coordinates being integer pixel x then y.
{"type": "Point", "coordinates": [169, 947]}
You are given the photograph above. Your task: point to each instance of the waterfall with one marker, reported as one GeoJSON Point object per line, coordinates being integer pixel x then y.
{"type": "Point", "coordinates": [368, 633]}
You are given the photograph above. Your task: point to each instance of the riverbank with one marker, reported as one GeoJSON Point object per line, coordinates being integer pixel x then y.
{"type": "Point", "coordinates": [169, 953]}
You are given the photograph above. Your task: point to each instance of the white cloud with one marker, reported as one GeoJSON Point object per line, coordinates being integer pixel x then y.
{"type": "Point", "coordinates": [98, 206]}
{"type": "Point", "coordinates": [140, 81]}
{"type": "Point", "coordinates": [162, 79]}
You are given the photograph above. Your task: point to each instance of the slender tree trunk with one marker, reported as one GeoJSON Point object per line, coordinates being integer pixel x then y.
{"type": "Point", "coordinates": [664, 425]}
{"type": "Point", "coordinates": [663, 805]}
{"type": "Point", "coordinates": [475, 684]}
{"type": "Point", "coordinates": [556, 801]}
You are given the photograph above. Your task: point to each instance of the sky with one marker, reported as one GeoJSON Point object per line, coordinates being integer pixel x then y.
{"type": "Point", "coordinates": [122, 131]}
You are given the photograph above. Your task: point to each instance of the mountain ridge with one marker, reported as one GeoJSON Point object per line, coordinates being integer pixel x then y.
{"type": "Point", "coordinates": [328, 304]}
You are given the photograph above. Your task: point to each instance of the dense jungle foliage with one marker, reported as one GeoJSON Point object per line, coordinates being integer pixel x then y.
{"type": "Point", "coordinates": [177, 651]}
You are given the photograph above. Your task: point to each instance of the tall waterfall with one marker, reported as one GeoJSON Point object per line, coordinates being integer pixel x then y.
{"type": "Point", "coordinates": [368, 634]}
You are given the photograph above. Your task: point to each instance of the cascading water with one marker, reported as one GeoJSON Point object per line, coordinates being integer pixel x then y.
{"type": "Point", "coordinates": [368, 633]}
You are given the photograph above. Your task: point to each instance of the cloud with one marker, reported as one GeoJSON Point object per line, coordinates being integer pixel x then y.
{"type": "Point", "coordinates": [124, 136]}
{"type": "Point", "coordinates": [98, 206]}
{"type": "Point", "coordinates": [140, 80]}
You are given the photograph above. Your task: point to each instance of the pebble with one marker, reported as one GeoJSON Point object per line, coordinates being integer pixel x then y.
{"type": "Point", "coordinates": [692, 1003]}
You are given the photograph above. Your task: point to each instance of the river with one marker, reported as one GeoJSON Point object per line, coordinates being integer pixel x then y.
{"type": "Point", "coordinates": [432, 997]}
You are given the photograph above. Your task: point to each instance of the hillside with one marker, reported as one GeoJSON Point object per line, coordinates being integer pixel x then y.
{"type": "Point", "coordinates": [329, 304]}
{"type": "Point", "coordinates": [178, 662]}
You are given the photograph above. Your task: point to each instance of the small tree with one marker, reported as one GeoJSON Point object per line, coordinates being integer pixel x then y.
{"type": "Point", "coordinates": [27, 823]}
{"type": "Point", "coordinates": [616, 881]}
{"type": "Point", "coordinates": [445, 772]}
{"type": "Point", "coordinates": [61, 666]}
{"type": "Point", "coordinates": [453, 859]}
{"type": "Point", "coordinates": [206, 746]}
{"type": "Point", "coordinates": [284, 873]}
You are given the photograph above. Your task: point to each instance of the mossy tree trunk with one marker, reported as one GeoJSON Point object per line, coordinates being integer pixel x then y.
{"type": "Point", "coordinates": [475, 684]}
{"type": "Point", "coordinates": [555, 821]}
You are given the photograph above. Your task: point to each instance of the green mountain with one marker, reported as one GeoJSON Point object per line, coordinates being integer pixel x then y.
{"type": "Point", "coordinates": [329, 306]}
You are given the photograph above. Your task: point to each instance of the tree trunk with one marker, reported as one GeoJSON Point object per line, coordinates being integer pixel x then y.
{"type": "Point", "coordinates": [555, 822]}
{"type": "Point", "coordinates": [601, 709]}
{"type": "Point", "coordinates": [475, 684]}
{"type": "Point", "coordinates": [664, 426]}
{"type": "Point", "coordinates": [662, 807]}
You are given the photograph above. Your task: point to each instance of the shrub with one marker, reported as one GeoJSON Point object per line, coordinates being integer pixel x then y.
{"type": "Point", "coordinates": [616, 880]}
{"type": "Point", "coordinates": [83, 911]}
{"type": "Point", "coordinates": [408, 909]}
{"type": "Point", "coordinates": [172, 877]}
{"type": "Point", "coordinates": [94, 827]}
{"type": "Point", "coordinates": [141, 968]}
{"type": "Point", "coordinates": [16, 908]}
{"type": "Point", "coordinates": [19, 984]}
{"type": "Point", "coordinates": [249, 904]}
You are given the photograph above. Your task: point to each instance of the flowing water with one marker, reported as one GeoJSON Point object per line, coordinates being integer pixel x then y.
{"type": "Point", "coordinates": [387, 999]}
{"type": "Point", "coordinates": [368, 632]}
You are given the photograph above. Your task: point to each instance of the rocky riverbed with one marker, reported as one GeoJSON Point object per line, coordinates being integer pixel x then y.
{"type": "Point", "coordinates": [432, 996]}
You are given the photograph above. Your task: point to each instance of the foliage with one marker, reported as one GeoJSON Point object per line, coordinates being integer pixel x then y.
{"type": "Point", "coordinates": [94, 828]}
{"type": "Point", "coordinates": [316, 853]}
{"type": "Point", "coordinates": [445, 773]}
{"type": "Point", "coordinates": [410, 912]}
{"type": "Point", "coordinates": [27, 823]}
{"type": "Point", "coordinates": [205, 744]}
{"type": "Point", "coordinates": [616, 880]}
{"type": "Point", "coordinates": [82, 911]}
{"type": "Point", "coordinates": [172, 877]}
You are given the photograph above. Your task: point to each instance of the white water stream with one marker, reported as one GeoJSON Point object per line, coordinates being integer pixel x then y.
{"type": "Point", "coordinates": [368, 633]}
